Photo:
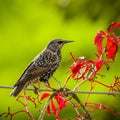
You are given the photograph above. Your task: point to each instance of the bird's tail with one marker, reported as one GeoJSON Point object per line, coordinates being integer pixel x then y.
{"type": "Point", "coordinates": [17, 89]}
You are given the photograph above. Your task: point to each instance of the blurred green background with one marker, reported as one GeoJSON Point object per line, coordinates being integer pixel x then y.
{"type": "Point", "coordinates": [26, 26]}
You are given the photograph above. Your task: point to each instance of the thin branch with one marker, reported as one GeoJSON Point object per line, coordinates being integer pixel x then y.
{"type": "Point", "coordinates": [78, 85]}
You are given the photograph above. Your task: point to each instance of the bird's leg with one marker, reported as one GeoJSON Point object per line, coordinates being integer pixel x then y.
{"type": "Point", "coordinates": [38, 84]}
{"type": "Point", "coordinates": [24, 93]}
{"type": "Point", "coordinates": [59, 84]}
{"type": "Point", "coordinates": [48, 85]}
{"type": "Point", "coordinates": [36, 89]}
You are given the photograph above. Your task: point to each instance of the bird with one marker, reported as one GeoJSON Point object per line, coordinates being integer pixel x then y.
{"type": "Point", "coordinates": [42, 67]}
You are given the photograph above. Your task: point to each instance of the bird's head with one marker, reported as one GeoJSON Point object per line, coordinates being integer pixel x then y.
{"type": "Point", "coordinates": [57, 44]}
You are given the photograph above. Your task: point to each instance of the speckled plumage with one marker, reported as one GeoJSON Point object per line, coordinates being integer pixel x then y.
{"type": "Point", "coordinates": [42, 67]}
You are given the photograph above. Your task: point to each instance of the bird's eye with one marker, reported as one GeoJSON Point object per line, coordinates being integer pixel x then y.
{"type": "Point", "coordinates": [60, 42]}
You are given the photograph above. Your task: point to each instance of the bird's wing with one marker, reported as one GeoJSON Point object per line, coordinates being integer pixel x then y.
{"type": "Point", "coordinates": [32, 71]}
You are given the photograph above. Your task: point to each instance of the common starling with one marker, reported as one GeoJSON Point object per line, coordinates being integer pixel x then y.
{"type": "Point", "coordinates": [42, 66]}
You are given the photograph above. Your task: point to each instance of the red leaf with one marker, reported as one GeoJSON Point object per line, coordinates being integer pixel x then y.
{"type": "Point", "coordinates": [61, 101]}
{"type": "Point", "coordinates": [109, 44]}
{"type": "Point", "coordinates": [82, 74]}
{"type": "Point", "coordinates": [75, 68]}
{"type": "Point", "coordinates": [112, 51]}
{"type": "Point", "coordinates": [98, 63]}
{"type": "Point", "coordinates": [113, 26]}
{"type": "Point", "coordinates": [45, 95]}
{"type": "Point", "coordinates": [98, 40]}
{"type": "Point", "coordinates": [48, 109]}
{"type": "Point", "coordinates": [111, 48]}
{"type": "Point", "coordinates": [62, 105]}
{"type": "Point", "coordinates": [54, 109]}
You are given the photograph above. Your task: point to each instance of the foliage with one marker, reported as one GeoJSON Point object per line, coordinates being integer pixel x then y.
{"type": "Point", "coordinates": [81, 70]}
{"type": "Point", "coordinates": [27, 26]}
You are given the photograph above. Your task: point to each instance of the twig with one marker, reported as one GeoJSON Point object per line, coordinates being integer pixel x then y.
{"type": "Point", "coordinates": [78, 85]}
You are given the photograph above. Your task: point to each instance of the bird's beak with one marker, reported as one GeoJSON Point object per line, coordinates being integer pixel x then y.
{"type": "Point", "coordinates": [67, 41]}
